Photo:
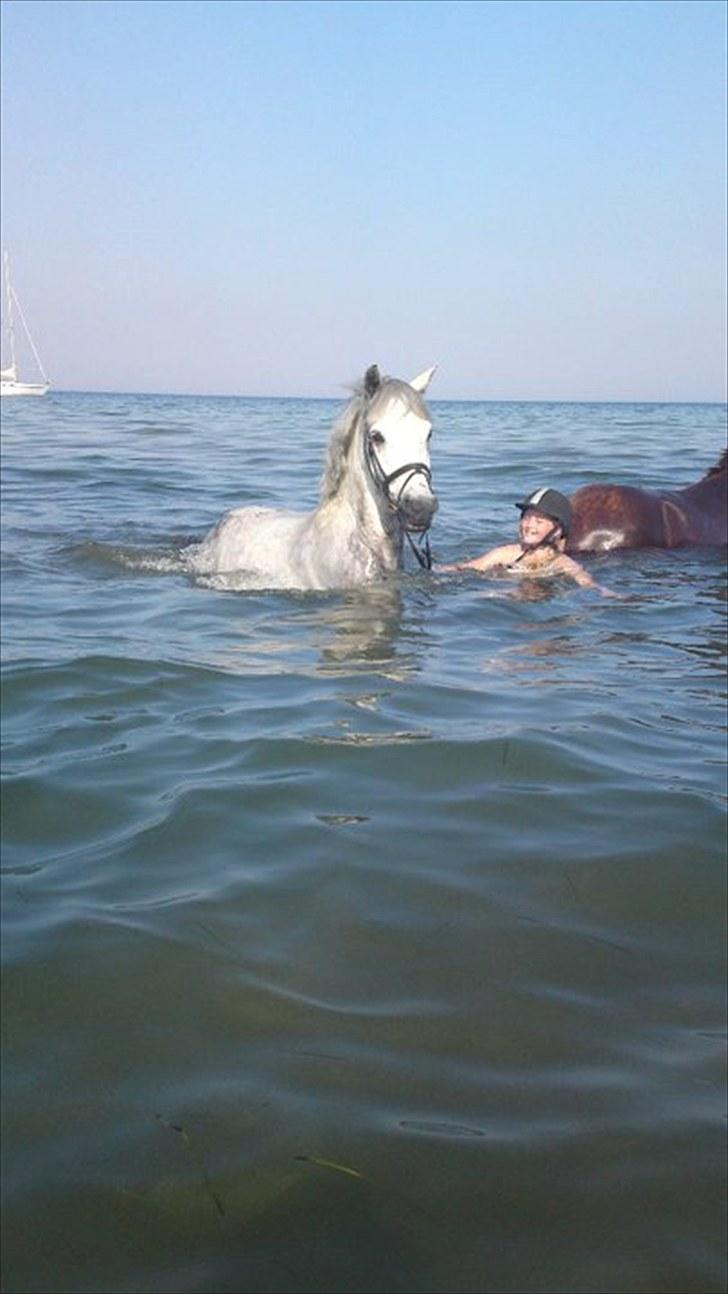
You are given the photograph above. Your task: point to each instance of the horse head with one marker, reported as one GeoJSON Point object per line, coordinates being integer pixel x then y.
{"type": "Point", "coordinates": [396, 429]}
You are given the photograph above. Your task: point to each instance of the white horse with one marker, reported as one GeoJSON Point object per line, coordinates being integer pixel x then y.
{"type": "Point", "coordinates": [376, 489]}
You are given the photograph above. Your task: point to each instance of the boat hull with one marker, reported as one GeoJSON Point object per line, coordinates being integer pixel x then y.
{"type": "Point", "coordinates": [24, 388]}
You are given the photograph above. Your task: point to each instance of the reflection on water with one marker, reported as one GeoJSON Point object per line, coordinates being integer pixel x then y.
{"type": "Point", "coordinates": [363, 629]}
{"type": "Point", "coordinates": [371, 738]}
{"type": "Point", "coordinates": [539, 660]}
{"type": "Point", "coordinates": [355, 631]}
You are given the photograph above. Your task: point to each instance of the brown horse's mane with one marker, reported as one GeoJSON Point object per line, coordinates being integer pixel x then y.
{"type": "Point", "coordinates": [718, 467]}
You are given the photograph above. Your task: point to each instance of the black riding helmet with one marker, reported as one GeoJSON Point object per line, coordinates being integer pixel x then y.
{"type": "Point", "coordinates": [552, 504]}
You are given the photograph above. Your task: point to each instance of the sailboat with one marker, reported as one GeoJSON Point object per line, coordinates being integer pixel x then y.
{"type": "Point", "coordinates": [10, 383]}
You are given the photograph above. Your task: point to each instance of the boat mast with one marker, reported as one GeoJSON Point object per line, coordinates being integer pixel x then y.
{"type": "Point", "coordinates": [9, 315]}
{"type": "Point", "coordinates": [19, 309]}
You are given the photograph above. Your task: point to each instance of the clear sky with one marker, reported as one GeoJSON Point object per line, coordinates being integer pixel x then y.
{"type": "Point", "coordinates": [264, 198]}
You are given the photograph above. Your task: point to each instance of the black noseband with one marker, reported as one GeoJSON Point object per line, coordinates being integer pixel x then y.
{"type": "Point", "coordinates": [384, 480]}
{"type": "Point", "coordinates": [414, 469]}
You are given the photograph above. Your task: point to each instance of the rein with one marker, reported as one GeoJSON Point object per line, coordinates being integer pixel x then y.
{"type": "Point", "coordinates": [421, 552]}
{"type": "Point", "coordinates": [384, 481]}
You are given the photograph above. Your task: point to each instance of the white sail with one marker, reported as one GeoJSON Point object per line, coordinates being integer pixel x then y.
{"type": "Point", "coordinates": [10, 383]}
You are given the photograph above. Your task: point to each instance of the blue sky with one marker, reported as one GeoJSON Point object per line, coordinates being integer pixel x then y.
{"type": "Point", "coordinates": [264, 198]}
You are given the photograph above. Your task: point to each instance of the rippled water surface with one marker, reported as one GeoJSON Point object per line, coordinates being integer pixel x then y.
{"type": "Point", "coordinates": [360, 941]}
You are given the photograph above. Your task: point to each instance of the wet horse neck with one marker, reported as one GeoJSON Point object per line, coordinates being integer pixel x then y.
{"type": "Point", "coordinates": [359, 518]}
{"type": "Point", "coordinates": [705, 506]}
{"type": "Point", "coordinates": [709, 493]}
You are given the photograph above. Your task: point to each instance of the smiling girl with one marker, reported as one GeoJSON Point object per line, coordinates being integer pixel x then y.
{"type": "Point", "coordinates": [541, 550]}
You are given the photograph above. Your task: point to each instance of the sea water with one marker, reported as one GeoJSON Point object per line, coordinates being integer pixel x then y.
{"type": "Point", "coordinates": [358, 941]}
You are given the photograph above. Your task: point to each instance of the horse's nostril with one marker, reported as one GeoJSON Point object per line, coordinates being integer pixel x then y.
{"type": "Point", "coordinates": [420, 510]}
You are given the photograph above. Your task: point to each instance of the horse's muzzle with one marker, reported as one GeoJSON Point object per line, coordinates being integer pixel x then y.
{"type": "Point", "coordinates": [417, 508]}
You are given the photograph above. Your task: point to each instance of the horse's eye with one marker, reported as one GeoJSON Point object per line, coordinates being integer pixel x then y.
{"type": "Point", "coordinates": [376, 438]}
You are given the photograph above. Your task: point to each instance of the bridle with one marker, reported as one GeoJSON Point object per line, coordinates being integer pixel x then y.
{"type": "Point", "coordinates": [384, 481]}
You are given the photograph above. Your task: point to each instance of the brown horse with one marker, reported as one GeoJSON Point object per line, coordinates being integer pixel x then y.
{"type": "Point", "coordinates": [620, 516]}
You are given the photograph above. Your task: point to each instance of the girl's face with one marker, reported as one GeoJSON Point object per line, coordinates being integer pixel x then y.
{"type": "Point", "coordinates": [535, 526]}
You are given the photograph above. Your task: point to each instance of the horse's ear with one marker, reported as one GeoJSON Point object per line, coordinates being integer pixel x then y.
{"type": "Point", "coordinates": [372, 380]}
{"type": "Point", "coordinates": [422, 381]}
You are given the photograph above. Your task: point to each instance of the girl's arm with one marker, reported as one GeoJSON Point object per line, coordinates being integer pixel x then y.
{"type": "Point", "coordinates": [569, 567]}
{"type": "Point", "coordinates": [494, 557]}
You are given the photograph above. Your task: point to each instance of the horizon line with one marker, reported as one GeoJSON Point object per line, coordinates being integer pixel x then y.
{"type": "Point", "coordinates": [228, 395]}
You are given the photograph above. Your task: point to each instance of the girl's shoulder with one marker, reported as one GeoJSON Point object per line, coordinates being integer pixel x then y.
{"type": "Point", "coordinates": [501, 556]}
{"type": "Point", "coordinates": [566, 564]}
{"type": "Point", "coordinates": [504, 554]}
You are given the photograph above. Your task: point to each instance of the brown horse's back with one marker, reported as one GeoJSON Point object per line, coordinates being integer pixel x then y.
{"type": "Point", "coordinates": [620, 516]}
{"type": "Point", "coordinates": [614, 516]}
